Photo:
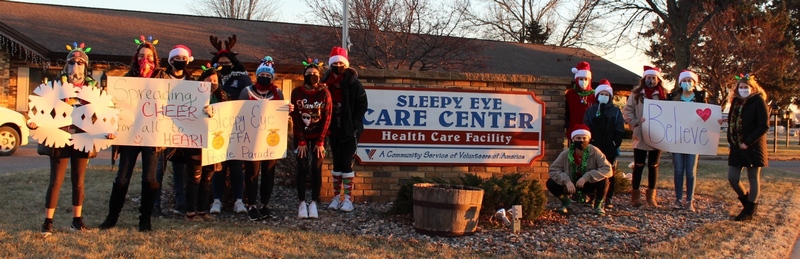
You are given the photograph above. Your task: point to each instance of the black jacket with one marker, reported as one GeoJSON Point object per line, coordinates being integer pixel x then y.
{"type": "Point", "coordinates": [607, 129]}
{"type": "Point", "coordinates": [755, 123]}
{"type": "Point", "coordinates": [700, 96]}
{"type": "Point", "coordinates": [234, 83]}
{"type": "Point", "coordinates": [354, 106]}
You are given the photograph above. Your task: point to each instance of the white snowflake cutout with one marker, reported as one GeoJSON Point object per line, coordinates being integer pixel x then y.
{"type": "Point", "coordinates": [50, 113]}
{"type": "Point", "coordinates": [97, 118]}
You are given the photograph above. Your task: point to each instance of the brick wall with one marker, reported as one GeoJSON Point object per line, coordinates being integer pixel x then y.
{"type": "Point", "coordinates": [381, 183]}
{"type": "Point", "coordinates": [7, 99]}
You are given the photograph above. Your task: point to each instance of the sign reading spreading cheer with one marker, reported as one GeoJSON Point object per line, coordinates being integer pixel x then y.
{"type": "Point", "coordinates": [682, 127]}
{"type": "Point", "coordinates": [247, 130]}
{"type": "Point", "coordinates": [160, 112]}
{"type": "Point", "coordinates": [419, 126]}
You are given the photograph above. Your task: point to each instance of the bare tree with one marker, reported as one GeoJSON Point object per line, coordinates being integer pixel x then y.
{"type": "Point", "coordinates": [509, 20]}
{"type": "Point", "coordinates": [399, 34]}
{"type": "Point", "coordinates": [236, 9]}
{"type": "Point", "coordinates": [581, 26]}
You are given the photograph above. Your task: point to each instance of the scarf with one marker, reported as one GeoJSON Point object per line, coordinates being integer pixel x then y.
{"type": "Point", "coordinates": [650, 91]}
{"type": "Point", "coordinates": [575, 160]}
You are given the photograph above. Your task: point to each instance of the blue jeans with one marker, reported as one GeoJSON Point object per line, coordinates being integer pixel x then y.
{"type": "Point", "coordinates": [685, 164]}
{"type": "Point", "coordinates": [236, 176]}
{"type": "Point", "coordinates": [178, 180]}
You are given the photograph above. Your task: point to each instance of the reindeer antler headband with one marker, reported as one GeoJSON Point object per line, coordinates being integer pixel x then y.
{"type": "Point", "coordinates": [218, 45]}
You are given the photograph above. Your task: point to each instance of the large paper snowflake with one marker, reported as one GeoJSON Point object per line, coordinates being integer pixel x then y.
{"type": "Point", "coordinates": [97, 119]}
{"type": "Point", "coordinates": [51, 113]}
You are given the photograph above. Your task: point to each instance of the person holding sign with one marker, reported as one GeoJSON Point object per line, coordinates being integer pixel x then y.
{"type": "Point", "coordinates": [580, 169]}
{"type": "Point", "coordinates": [607, 126]}
{"type": "Point", "coordinates": [263, 89]}
{"type": "Point", "coordinates": [314, 111]}
{"type": "Point", "coordinates": [349, 101]}
{"type": "Point", "coordinates": [75, 72]}
{"type": "Point", "coordinates": [580, 97]}
{"type": "Point", "coordinates": [144, 64]}
{"type": "Point", "coordinates": [747, 138]}
{"type": "Point", "coordinates": [686, 164]}
{"type": "Point", "coordinates": [651, 87]}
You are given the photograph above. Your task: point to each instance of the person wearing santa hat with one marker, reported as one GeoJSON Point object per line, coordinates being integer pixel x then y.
{"type": "Point", "coordinates": [690, 90]}
{"type": "Point", "coordinates": [580, 96]}
{"type": "Point", "coordinates": [605, 122]}
{"type": "Point", "coordinates": [143, 64]}
{"type": "Point", "coordinates": [179, 58]}
{"type": "Point", "coordinates": [313, 101]}
{"type": "Point", "coordinates": [651, 87]}
{"type": "Point", "coordinates": [349, 105]}
{"type": "Point", "coordinates": [581, 168]}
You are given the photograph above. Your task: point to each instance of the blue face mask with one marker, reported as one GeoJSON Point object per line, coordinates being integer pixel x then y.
{"type": "Point", "coordinates": [687, 86]}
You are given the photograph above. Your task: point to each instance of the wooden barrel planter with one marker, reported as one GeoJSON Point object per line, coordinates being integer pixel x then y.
{"type": "Point", "coordinates": [446, 210]}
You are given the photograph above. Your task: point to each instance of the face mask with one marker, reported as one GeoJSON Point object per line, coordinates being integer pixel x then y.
{"type": "Point", "coordinates": [76, 73]}
{"type": "Point", "coordinates": [226, 70]}
{"type": "Point", "coordinates": [214, 87]}
{"type": "Point", "coordinates": [602, 99]}
{"type": "Point", "coordinates": [580, 145]}
{"type": "Point", "coordinates": [744, 92]}
{"type": "Point", "coordinates": [583, 84]}
{"type": "Point", "coordinates": [686, 86]}
{"type": "Point", "coordinates": [649, 83]}
{"type": "Point", "coordinates": [311, 79]}
{"type": "Point", "coordinates": [339, 70]}
{"type": "Point", "coordinates": [264, 81]}
{"type": "Point", "coordinates": [179, 65]}
{"type": "Point", "coordinates": [146, 67]}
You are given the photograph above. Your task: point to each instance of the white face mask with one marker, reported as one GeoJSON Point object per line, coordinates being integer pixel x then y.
{"type": "Point", "coordinates": [602, 99]}
{"type": "Point", "coordinates": [583, 84]}
{"type": "Point", "coordinates": [744, 92]}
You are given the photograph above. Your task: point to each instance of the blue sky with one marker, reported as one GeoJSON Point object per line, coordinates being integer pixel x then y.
{"type": "Point", "coordinates": [290, 11]}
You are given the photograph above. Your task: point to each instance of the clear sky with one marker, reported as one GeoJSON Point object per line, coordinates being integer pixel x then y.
{"type": "Point", "coordinates": [291, 11]}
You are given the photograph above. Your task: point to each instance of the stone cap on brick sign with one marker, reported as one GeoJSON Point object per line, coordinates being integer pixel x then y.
{"type": "Point", "coordinates": [459, 76]}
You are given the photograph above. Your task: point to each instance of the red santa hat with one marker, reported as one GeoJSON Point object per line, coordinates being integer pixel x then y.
{"type": "Point", "coordinates": [580, 129]}
{"type": "Point", "coordinates": [582, 70]}
{"type": "Point", "coordinates": [648, 70]}
{"type": "Point", "coordinates": [338, 54]}
{"type": "Point", "coordinates": [181, 50]}
{"type": "Point", "coordinates": [605, 85]}
{"type": "Point", "coordinates": [688, 74]}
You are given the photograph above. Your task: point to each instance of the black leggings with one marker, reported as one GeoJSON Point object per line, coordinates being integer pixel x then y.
{"type": "Point", "coordinates": [599, 189]}
{"type": "Point", "coordinates": [251, 171]}
{"type": "Point", "coordinates": [653, 156]}
{"type": "Point", "coordinates": [58, 169]}
{"type": "Point", "coordinates": [198, 188]}
{"type": "Point", "coordinates": [343, 153]}
{"type": "Point", "coordinates": [309, 164]}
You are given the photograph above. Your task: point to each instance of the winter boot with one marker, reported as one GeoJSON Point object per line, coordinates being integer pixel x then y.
{"type": "Point", "coordinates": [747, 213]}
{"type": "Point", "coordinates": [651, 198]}
{"type": "Point", "coordinates": [565, 202]}
{"type": "Point", "coordinates": [115, 203]}
{"type": "Point", "coordinates": [146, 208]}
{"type": "Point", "coordinates": [636, 198]}
{"type": "Point", "coordinates": [743, 200]}
{"type": "Point", "coordinates": [598, 207]}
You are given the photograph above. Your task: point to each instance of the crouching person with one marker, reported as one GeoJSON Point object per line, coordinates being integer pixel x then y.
{"type": "Point", "coordinates": [582, 168]}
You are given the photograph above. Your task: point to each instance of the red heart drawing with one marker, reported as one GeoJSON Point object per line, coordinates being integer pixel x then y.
{"type": "Point", "coordinates": [704, 113]}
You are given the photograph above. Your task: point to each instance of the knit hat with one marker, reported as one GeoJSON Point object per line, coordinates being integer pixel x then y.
{"type": "Point", "coordinates": [688, 74]}
{"type": "Point", "coordinates": [338, 54]}
{"type": "Point", "coordinates": [181, 50]}
{"type": "Point", "coordinates": [265, 68]}
{"type": "Point", "coordinates": [582, 70]}
{"type": "Point", "coordinates": [580, 129]}
{"type": "Point", "coordinates": [604, 86]}
{"type": "Point", "coordinates": [267, 60]}
{"type": "Point", "coordinates": [648, 70]}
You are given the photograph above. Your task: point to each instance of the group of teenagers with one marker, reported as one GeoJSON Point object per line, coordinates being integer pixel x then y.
{"type": "Point", "coordinates": [585, 170]}
{"type": "Point", "coordinates": [330, 105]}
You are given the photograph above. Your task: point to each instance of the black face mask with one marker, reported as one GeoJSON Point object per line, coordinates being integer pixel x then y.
{"type": "Point", "coordinates": [264, 81]}
{"type": "Point", "coordinates": [339, 70]}
{"type": "Point", "coordinates": [311, 79]}
{"type": "Point", "coordinates": [650, 83]}
{"type": "Point", "coordinates": [580, 145]}
{"type": "Point", "coordinates": [214, 87]}
{"type": "Point", "coordinates": [179, 65]}
{"type": "Point", "coordinates": [226, 70]}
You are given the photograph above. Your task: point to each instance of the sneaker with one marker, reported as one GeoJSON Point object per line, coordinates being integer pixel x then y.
{"type": "Point", "coordinates": [239, 207]}
{"type": "Point", "coordinates": [179, 210]}
{"type": "Point", "coordinates": [302, 211]}
{"type": "Point", "coordinates": [347, 205]}
{"type": "Point", "coordinates": [47, 227]}
{"type": "Point", "coordinates": [336, 204]}
{"type": "Point", "coordinates": [193, 217]}
{"type": "Point", "coordinates": [206, 216]}
{"type": "Point", "coordinates": [266, 212]}
{"type": "Point", "coordinates": [216, 207]}
{"type": "Point", "coordinates": [312, 210]}
{"type": "Point", "coordinates": [77, 224]}
{"type": "Point", "coordinates": [253, 213]}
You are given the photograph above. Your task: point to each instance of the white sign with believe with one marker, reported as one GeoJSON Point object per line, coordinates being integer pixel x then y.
{"type": "Point", "coordinates": [252, 130]}
{"type": "Point", "coordinates": [160, 112]}
{"type": "Point", "coordinates": [682, 127]}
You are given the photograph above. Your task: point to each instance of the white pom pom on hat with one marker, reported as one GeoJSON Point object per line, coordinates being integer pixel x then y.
{"type": "Point", "coordinates": [582, 70]}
